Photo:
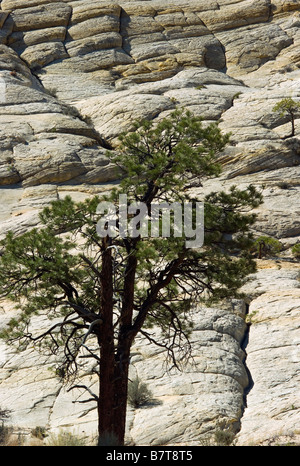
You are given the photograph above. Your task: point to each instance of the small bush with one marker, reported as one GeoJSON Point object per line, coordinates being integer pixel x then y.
{"type": "Point", "coordinates": [5, 431]}
{"type": "Point", "coordinates": [138, 393]}
{"type": "Point", "coordinates": [264, 246]}
{"type": "Point", "coordinates": [224, 438]}
{"type": "Point", "coordinates": [4, 414]}
{"type": "Point", "coordinates": [5, 434]}
{"type": "Point", "coordinates": [283, 185]}
{"type": "Point", "coordinates": [236, 96]}
{"type": "Point", "coordinates": [52, 91]}
{"type": "Point", "coordinates": [39, 432]}
{"type": "Point", "coordinates": [296, 250]}
{"type": "Point", "coordinates": [65, 439]}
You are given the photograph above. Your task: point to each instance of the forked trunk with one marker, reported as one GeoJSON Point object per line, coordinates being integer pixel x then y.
{"type": "Point", "coordinates": [106, 392]}
{"type": "Point", "coordinates": [114, 362]}
{"type": "Point", "coordinates": [112, 402]}
{"type": "Point", "coordinates": [106, 400]}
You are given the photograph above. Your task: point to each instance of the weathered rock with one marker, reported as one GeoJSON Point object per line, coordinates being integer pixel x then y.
{"type": "Point", "coordinates": [237, 14]}
{"type": "Point", "coordinates": [40, 55]}
{"type": "Point", "coordinates": [265, 43]}
{"type": "Point", "coordinates": [21, 40]}
{"type": "Point", "coordinates": [216, 374]}
{"type": "Point", "coordinates": [273, 355]}
{"type": "Point", "coordinates": [41, 16]}
{"type": "Point", "coordinates": [101, 41]}
{"type": "Point", "coordinates": [96, 8]}
{"type": "Point", "coordinates": [216, 377]}
{"type": "Point", "coordinates": [94, 26]}
{"type": "Point", "coordinates": [109, 63]}
{"type": "Point", "coordinates": [207, 93]}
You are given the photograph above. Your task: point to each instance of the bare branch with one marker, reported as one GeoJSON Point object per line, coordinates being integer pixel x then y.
{"type": "Point", "coordinates": [94, 397]}
{"type": "Point", "coordinates": [91, 265]}
{"type": "Point", "coordinates": [54, 327]}
{"type": "Point", "coordinates": [90, 329]}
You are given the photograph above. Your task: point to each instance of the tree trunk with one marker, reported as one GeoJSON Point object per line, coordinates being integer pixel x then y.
{"type": "Point", "coordinates": [107, 351]}
{"type": "Point", "coordinates": [112, 403]}
{"type": "Point", "coordinates": [123, 350]}
{"type": "Point", "coordinates": [121, 391]}
{"type": "Point", "coordinates": [114, 362]}
{"type": "Point", "coordinates": [106, 392]}
{"type": "Point", "coordinates": [293, 125]}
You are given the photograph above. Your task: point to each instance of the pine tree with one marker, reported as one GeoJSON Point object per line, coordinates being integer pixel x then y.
{"type": "Point", "coordinates": [108, 289]}
{"type": "Point", "coordinates": [289, 108]}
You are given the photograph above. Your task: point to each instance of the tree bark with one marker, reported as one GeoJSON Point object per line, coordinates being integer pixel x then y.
{"type": "Point", "coordinates": [107, 350]}
{"type": "Point", "coordinates": [293, 125]}
{"type": "Point", "coordinates": [123, 350]}
{"type": "Point", "coordinates": [120, 392]}
{"type": "Point", "coordinates": [114, 359]}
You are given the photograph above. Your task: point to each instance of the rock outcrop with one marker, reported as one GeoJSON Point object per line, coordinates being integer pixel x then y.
{"type": "Point", "coordinates": [73, 76]}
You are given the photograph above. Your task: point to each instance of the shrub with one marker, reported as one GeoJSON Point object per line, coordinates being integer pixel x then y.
{"type": "Point", "coordinates": [283, 185]}
{"type": "Point", "coordinates": [138, 393]}
{"type": "Point", "coordinates": [4, 414]}
{"type": "Point", "coordinates": [39, 432]}
{"type": "Point", "coordinates": [5, 432]}
{"type": "Point", "coordinates": [296, 250]}
{"type": "Point", "coordinates": [288, 107]}
{"type": "Point", "coordinates": [224, 438]}
{"type": "Point", "coordinates": [65, 439]}
{"type": "Point", "coordinates": [264, 246]}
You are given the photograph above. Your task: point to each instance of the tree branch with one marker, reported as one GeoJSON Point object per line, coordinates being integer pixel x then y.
{"type": "Point", "coordinates": [94, 397]}
{"type": "Point", "coordinates": [163, 280]}
{"type": "Point", "coordinates": [54, 327]}
{"type": "Point", "coordinates": [90, 329]}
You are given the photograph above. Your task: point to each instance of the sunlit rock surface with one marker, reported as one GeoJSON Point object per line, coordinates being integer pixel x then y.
{"type": "Point", "coordinates": [73, 75]}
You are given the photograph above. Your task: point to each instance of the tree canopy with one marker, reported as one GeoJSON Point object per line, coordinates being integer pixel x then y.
{"type": "Point", "coordinates": [107, 289]}
{"type": "Point", "coordinates": [290, 108]}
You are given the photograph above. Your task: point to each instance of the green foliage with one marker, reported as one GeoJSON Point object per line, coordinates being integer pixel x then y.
{"type": "Point", "coordinates": [287, 106]}
{"type": "Point", "coordinates": [138, 393]}
{"type": "Point", "coordinates": [53, 268]}
{"type": "Point", "coordinates": [55, 271]}
{"type": "Point", "coordinates": [65, 439]}
{"type": "Point", "coordinates": [90, 286]}
{"type": "Point", "coordinates": [296, 250]}
{"type": "Point", "coordinates": [5, 434]}
{"type": "Point", "coordinates": [38, 257]}
{"type": "Point", "coordinates": [164, 156]}
{"type": "Point", "coordinates": [236, 96]}
{"type": "Point", "coordinates": [224, 438]}
{"type": "Point", "coordinates": [4, 414]}
{"type": "Point", "coordinates": [39, 432]}
{"type": "Point", "coordinates": [265, 246]}
{"type": "Point", "coordinates": [5, 431]}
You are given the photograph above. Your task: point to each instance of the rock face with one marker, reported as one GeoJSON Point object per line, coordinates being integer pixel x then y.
{"type": "Point", "coordinates": [272, 404]}
{"type": "Point", "coordinates": [73, 76]}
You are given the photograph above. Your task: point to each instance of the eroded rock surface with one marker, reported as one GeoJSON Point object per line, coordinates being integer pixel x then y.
{"type": "Point", "coordinates": [73, 75]}
{"type": "Point", "coordinates": [271, 415]}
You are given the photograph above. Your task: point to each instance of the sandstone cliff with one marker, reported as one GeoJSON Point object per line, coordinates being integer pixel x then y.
{"type": "Point", "coordinates": [73, 75]}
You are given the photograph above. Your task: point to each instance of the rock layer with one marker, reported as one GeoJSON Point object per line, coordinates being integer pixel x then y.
{"type": "Point", "coordinates": [73, 75]}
